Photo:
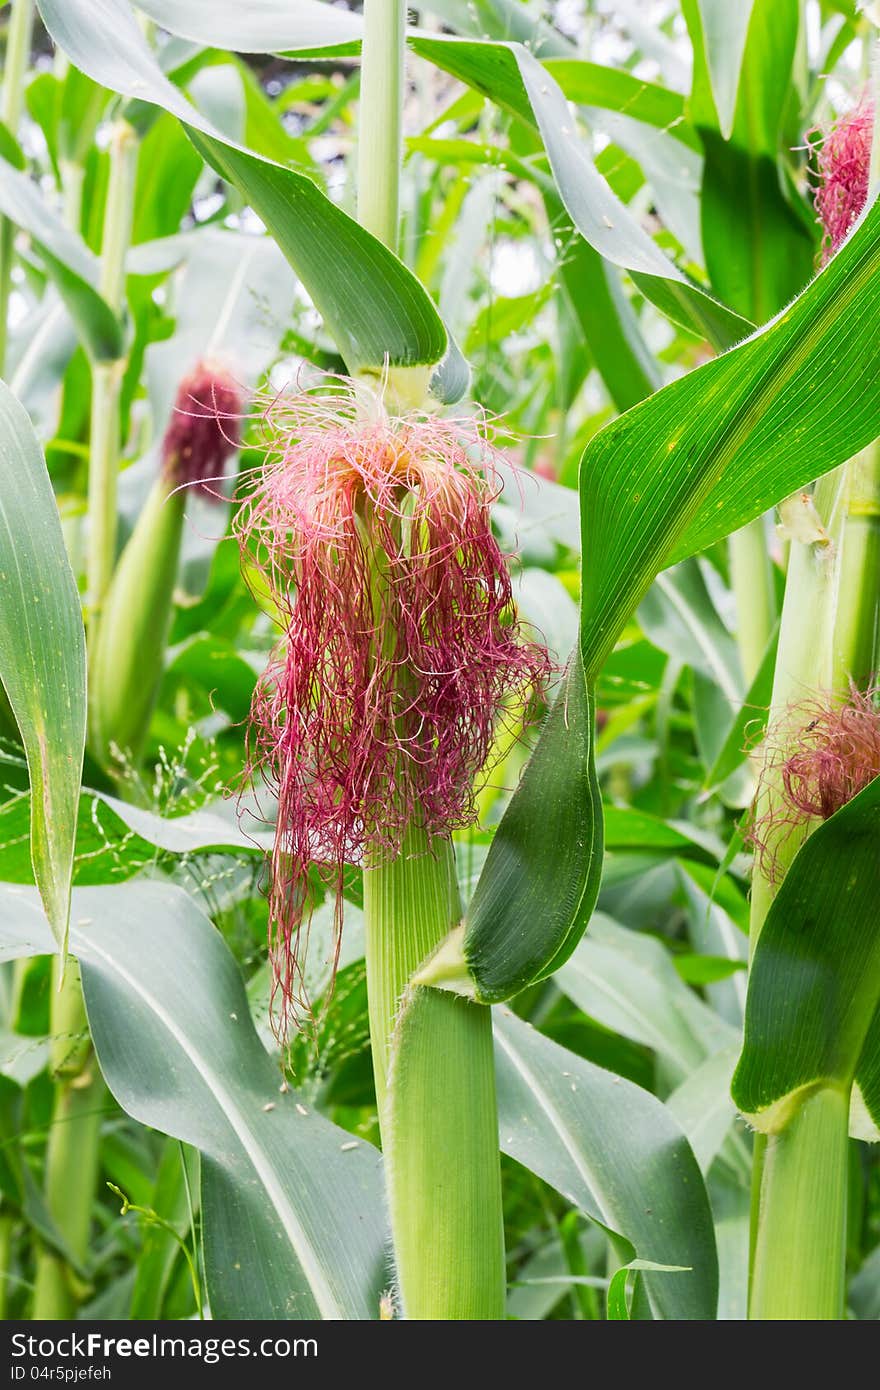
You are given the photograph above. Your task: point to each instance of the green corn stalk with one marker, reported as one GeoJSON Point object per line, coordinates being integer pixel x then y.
{"type": "Point", "coordinates": [72, 1154]}
{"type": "Point", "coordinates": [18, 51]}
{"type": "Point", "coordinates": [828, 638]}
{"type": "Point", "coordinates": [107, 376]}
{"type": "Point", "coordinates": [432, 1052]}
{"type": "Point", "coordinates": [73, 1148]}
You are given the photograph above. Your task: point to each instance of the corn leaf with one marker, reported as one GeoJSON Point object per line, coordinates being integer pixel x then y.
{"type": "Point", "coordinates": [684, 468]}
{"type": "Point", "coordinates": [373, 305]}
{"type": "Point", "coordinates": [511, 76]}
{"type": "Point", "coordinates": [42, 655]}
{"type": "Point", "coordinates": [68, 261]}
{"type": "Point", "coordinates": [292, 1207]}
{"type": "Point", "coordinates": [814, 984]}
{"type": "Point", "coordinates": [603, 1143]}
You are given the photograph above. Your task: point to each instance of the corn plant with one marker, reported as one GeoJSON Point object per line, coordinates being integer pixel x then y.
{"type": "Point", "coordinates": [440, 575]}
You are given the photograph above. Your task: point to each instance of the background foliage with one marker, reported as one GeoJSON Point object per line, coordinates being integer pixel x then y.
{"type": "Point", "coordinates": [599, 199]}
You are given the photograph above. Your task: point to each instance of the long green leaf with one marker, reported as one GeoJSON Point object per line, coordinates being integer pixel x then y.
{"type": "Point", "coordinates": [814, 984]}
{"type": "Point", "coordinates": [604, 1143]}
{"type": "Point", "coordinates": [42, 654]}
{"type": "Point", "coordinates": [293, 1209]}
{"type": "Point", "coordinates": [725, 27]}
{"type": "Point", "coordinates": [615, 89]}
{"type": "Point", "coordinates": [373, 306]}
{"type": "Point", "coordinates": [254, 28]}
{"type": "Point", "coordinates": [534, 872]}
{"type": "Point", "coordinates": [723, 444]}
{"type": "Point", "coordinates": [68, 260]}
{"type": "Point", "coordinates": [628, 983]}
{"type": "Point", "coordinates": [690, 464]}
{"type": "Point", "coordinates": [510, 75]}
{"type": "Point", "coordinates": [758, 250]}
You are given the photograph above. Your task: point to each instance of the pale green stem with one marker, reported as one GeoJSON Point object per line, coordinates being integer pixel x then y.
{"type": "Point", "coordinates": [107, 376]}
{"type": "Point", "coordinates": [801, 1248]}
{"type": "Point", "coordinates": [828, 634]}
{"type": "Point", "coordinates": [420, 884]}
{"type": "Point", "coordinates": [72, 180]}
{"type": "Point", "coordinates": [752, 574]}
{"type": "Point", "coordinates": [380, 120]}
{"type": "Point", "coordinates": [803, 666]}
{"type": "Point", "coordinates": [858, 595]}
{"type": "Point", "coordinates": [18, 52]}
{"type": "Point", "coordinates": [72, 1151]}
{"type": "Point", "coordinates": [437, 1108]}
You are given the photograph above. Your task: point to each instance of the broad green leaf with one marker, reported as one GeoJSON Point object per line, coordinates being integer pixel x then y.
{"type": "Point", "coordinates": [724, 29]}
{"type": "Point", "coordinates": [533, 873]}
{"type": "Point", "coordinates": [292, 1207]}
{"type": "Point", "coordinates": [814, 985]}
{"type": "Point", "coordinates": [371, 303]}
{"type": "Point", "coordinates": [604, 1143]}
{"type": "Point", "coordinates": [701, 1104]}
{"type": "Point", "coordinates": [510, 75]}
{"type": "Point", "coordinates": [723, 444]}
{"type": "Point", "coordinates": [615, 89]}
{"type": "Point", "coordinates": [256, 28]}
{"type": "Point", "coordinates": [116, 840]}
{"type": "Point", "coordinates": [758, 250]}
{"type": "Point", "coordinates": [628, 982]}
{"type": "Point", "coordinates": [42, 655]}
{"type": "Point", "coordinates": [679, 471]}
{"type": "Point", "coordinates": [68, 260]}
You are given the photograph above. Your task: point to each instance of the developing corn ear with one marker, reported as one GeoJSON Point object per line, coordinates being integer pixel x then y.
{"type": "Point", "coordinates": [400, 654]}
{"type": "Point", "coordinates": [400, 649]}
{"type": "Point", "coordinates": [128, 648]}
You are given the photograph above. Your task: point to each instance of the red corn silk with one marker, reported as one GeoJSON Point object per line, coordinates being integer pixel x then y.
{"type": "Point", "coordinates": [400, 653]}
{"type": "Point", "coordinates": [822, 754]}
{"type": "Point", "coordinates": [844, 160]}
{"type": "Point", "coordinates": [204, 429]}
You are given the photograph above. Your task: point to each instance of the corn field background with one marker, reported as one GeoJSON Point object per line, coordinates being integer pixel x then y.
{"type": "Point", "coordinates": [612, 929]}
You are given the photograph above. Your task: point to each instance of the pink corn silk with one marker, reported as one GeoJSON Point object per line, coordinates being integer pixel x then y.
{"type": "Point", "coordinates": [204, 429]}
{"type": "Point", "coordinates": [843, 161]}
{"type": "Point", "coordinates": [824, 752]}
{"type": "Point", "coordinates": [400, 650]}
